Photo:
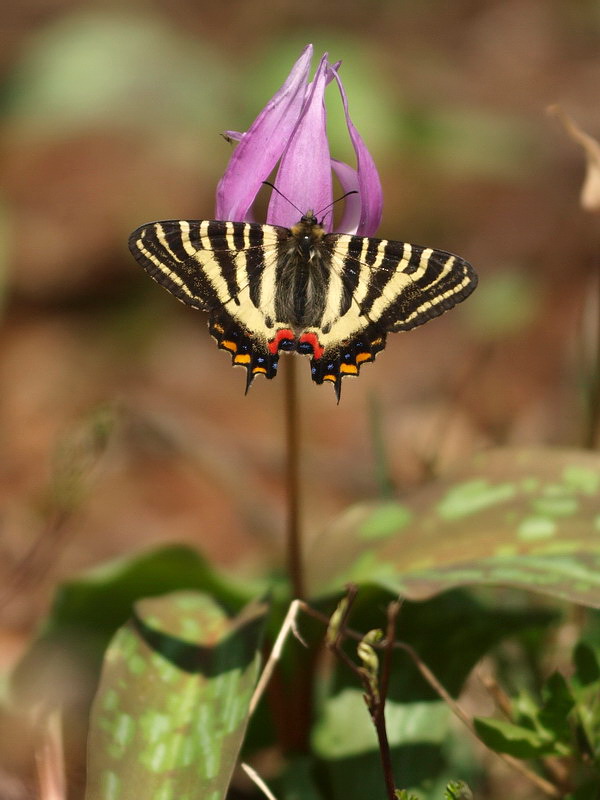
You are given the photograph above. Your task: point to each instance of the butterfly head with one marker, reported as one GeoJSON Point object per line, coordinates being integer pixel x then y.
{"type": "Point", "coordinates": [308, 230]}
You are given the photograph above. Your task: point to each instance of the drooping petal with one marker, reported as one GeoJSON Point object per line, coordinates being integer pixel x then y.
{"type": "Point", "coordinates": [304, 174]}
{"type": "Point", "coordinates": [371, 194]}
{"type": "Point", "coordinates": [263, 143]}
{"type": "Point", "coordinates": [348, 178]}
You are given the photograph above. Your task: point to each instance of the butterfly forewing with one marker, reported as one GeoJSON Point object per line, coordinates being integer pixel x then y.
{"type": "Point", "coordinates": [331, 296]}
{"type": "Point", "coordinates": [401, 285]}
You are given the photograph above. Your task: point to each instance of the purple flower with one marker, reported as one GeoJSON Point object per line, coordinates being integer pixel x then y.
{"type": "Point", "coordinates": [291, 130]}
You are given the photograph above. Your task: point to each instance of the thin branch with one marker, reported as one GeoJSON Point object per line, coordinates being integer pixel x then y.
{"type": "Point", "coordinates": [256, 779]}
{"type": "Point", "coordinates": [289, 624]}
{"type": "Point", "coordinates": [390, 637]}
{"type": "Point", "coordinates": [498, 695]}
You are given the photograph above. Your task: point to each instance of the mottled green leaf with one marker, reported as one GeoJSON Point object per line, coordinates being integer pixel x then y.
{"type": "Point", "coordinates": [529, 519]}
{"type": "Point", "coordinates": [62, 664]}
{"type": "Point", "coordinates": [170, 714]}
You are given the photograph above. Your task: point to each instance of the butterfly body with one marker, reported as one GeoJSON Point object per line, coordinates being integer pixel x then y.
{"type": "Point", "coordinates": [331, 296]}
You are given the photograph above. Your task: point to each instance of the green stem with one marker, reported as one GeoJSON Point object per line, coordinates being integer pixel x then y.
{"type": "Point", "coordinates": [292, 441]}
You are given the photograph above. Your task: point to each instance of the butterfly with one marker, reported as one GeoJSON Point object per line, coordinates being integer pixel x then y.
{"type": "Point", "coordinates": [331, 296]}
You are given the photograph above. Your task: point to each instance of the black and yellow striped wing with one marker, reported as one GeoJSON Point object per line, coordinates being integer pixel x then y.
{"type": "Point", "coordinates": [266, 288]}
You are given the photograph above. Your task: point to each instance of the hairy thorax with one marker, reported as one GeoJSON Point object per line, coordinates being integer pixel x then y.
{"type": "Point", "coordinates": [303, 274]}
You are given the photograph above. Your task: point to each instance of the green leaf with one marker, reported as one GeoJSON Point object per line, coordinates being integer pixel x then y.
{"type": "Point", "coordinates": [554, 714]}
{"type": "Point", "coordinates": [62, 664]}
{"type": "Point", "coordinates": [585, 686]}
{"type": "Point", "coordinates": [458, 790]}
{"type": "Point", "coordinates": [528, 519]}
{"type": "Point", "coordinates": [587, 668]}
{"type": "Point", "coordinates": [298, 781]}
{"type": "Point", "coordinates": [170, 714]}
{"type": "Point", "coordinates": [345, 728]}
{"type": "Point", "coordinates": [526, 709]}
{"type": "Point", "coordinates": [505, 737]}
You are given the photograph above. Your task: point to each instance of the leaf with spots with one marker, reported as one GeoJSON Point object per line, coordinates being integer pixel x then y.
{"type": "Point", "coordinates": [171, 711]}
{"type": "Point", "coordinates": [529, 519]}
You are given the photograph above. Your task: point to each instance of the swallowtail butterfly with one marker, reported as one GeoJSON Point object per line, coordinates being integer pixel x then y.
{"type": "Point", "coordinates": [331, 296]}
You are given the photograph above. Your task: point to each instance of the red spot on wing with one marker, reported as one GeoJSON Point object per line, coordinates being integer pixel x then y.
{"type": "Point", "coordinates": [313, 341]}
{"type": "Point", "coordinates": [285, 333]}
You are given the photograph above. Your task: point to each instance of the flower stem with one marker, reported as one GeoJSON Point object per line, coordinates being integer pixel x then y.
{"type": "Point", "coordinates": [292, 441]}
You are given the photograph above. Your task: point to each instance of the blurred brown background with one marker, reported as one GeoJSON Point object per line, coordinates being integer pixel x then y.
{"type": "Point", "coordinates": [111, 114]}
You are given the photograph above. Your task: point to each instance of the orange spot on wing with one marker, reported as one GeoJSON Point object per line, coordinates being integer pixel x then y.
{"type": "Point", "coordinates": [349, 369]}
{"type": "Point", "coordinates": [329, 378]}
{"type": "Point", "coordinates": [360, 357]}
{"type": "Point", "coordinates": [243, 358]}
{"type": "Point", "coordinates": [231, 346]}
{"type": "Point", "coordinates": [218, 328]}
{"type": "Point", "coordinates": [377, 341]}
{"type": "Point", "coordinates": [259, 369]}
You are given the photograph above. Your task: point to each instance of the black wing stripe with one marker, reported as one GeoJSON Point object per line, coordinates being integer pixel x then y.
{"type": "Point", "coordinates": [171, 241]}
{"type": "Point", "coordinates": [220, 235]}
{"type": "Point", "coordinates": [239, 236]}
{"type": "Point", "coordinates": [350, 273]}
{"type": "Point", "coordinates": [195, 235]}
{"type": "Point", "coordinates": [389, 259]}
{"type": "Point", "coordinates": [255, 262]}
{"type": "Point", "coordinates": [372, 250]}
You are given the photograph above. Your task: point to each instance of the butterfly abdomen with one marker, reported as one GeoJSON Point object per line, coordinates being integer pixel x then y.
{"type": "Point", "coordinates": [302, 276]}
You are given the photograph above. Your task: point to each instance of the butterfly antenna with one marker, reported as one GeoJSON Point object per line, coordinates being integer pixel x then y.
{"type": "Point", "coordinates": [275, 189]}
{"type": "Point", "coordinates": [352, 191]}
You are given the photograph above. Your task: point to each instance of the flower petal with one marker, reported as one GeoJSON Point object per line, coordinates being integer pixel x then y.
{"type": "Point", "coordinates": [262, 145]}
{"type": "Point", "coordinates": [348, 178]}
{"type": "Point", "coordinates": [304, 174]}
{"type": "Point", "coordinates": [371, 194]}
